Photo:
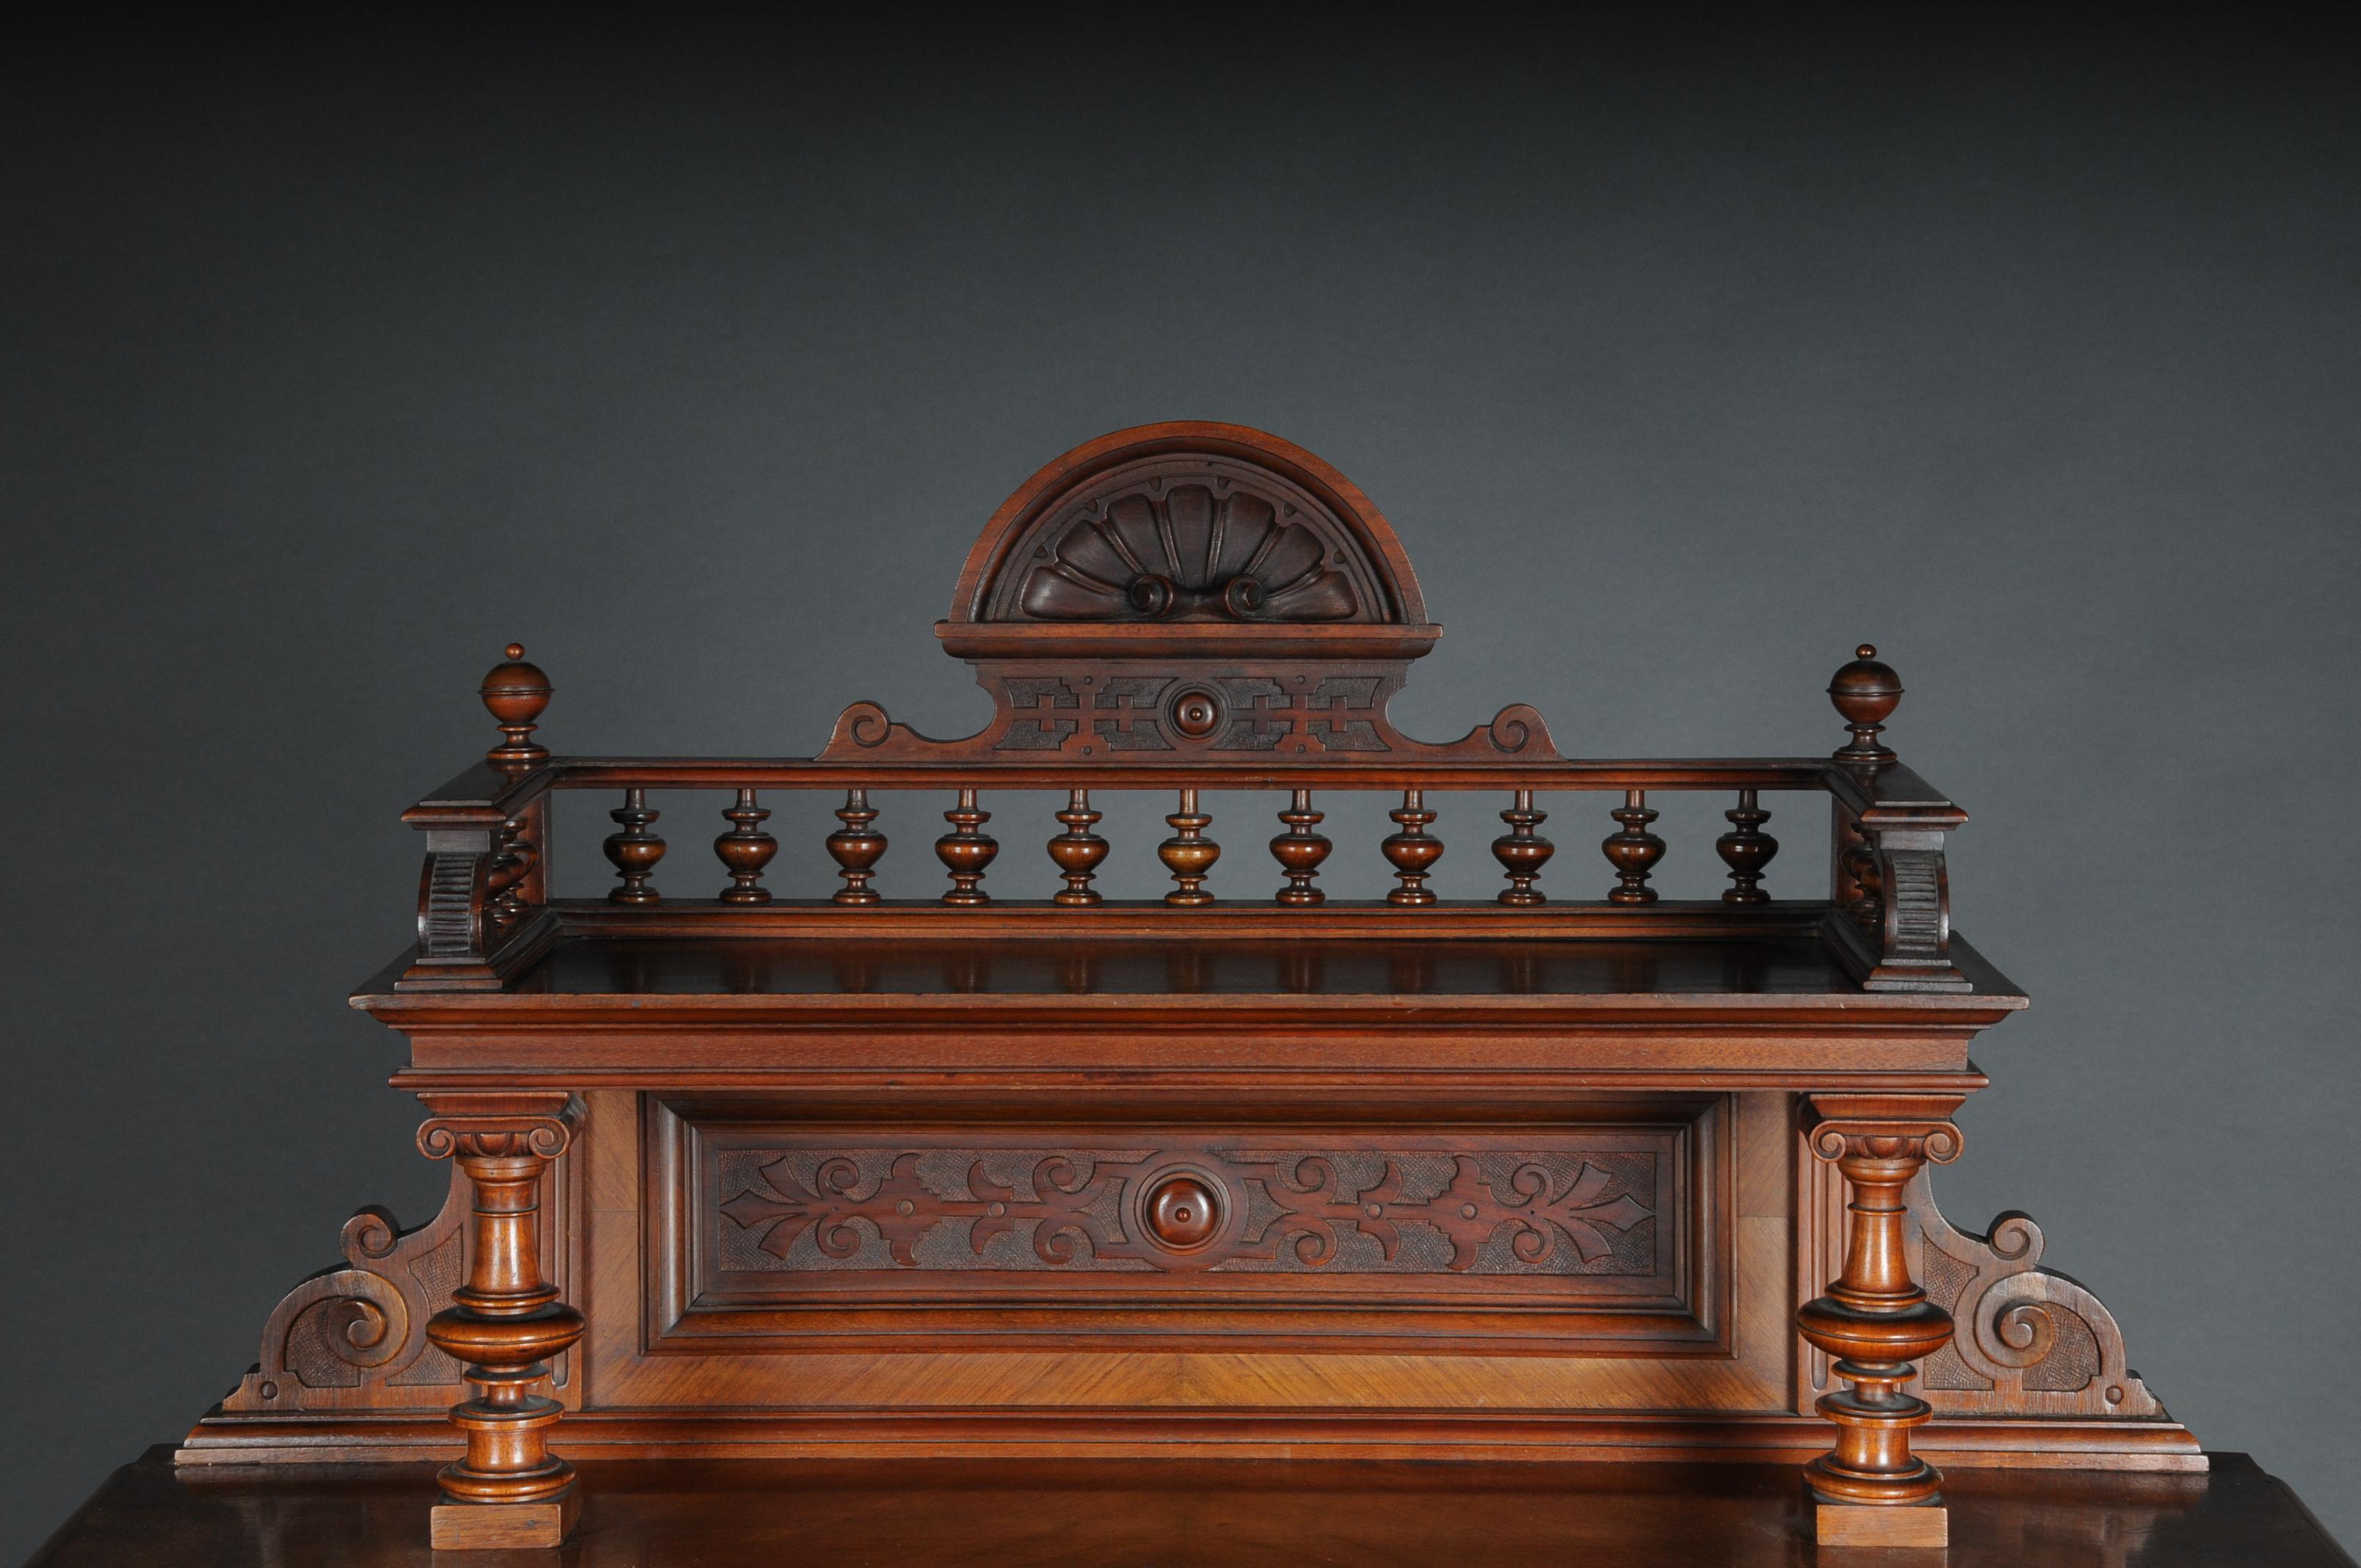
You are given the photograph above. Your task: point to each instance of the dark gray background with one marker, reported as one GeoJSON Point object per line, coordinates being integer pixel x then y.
{"type": "Point", "coordinates": [1681, 361]}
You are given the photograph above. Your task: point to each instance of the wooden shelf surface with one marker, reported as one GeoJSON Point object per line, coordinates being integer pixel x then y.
{"type": "Point", "coordinates": [1173, 1513]}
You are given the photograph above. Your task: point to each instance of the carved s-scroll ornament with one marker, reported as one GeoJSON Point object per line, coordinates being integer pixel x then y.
{"type": "Point", "coordinates": [355, 1337]}
{"type": "Point", "coordinates": [2030, 1341]}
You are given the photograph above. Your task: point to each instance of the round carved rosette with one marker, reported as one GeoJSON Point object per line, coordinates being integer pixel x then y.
{"type": "Point", "coordinates": [1183, 1211]}
{"type": "Point", "coordinates": [1195, 713]}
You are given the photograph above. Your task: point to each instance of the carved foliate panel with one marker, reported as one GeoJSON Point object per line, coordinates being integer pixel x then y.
{"type": "Point", "coordinates": [1485, 1230]}
{"type": "Point", "coordinates": [817, 1206]}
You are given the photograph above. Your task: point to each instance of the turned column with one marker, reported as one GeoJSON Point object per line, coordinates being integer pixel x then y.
{"type": "Point", "coordinates": [1877, 1322]}
{"type": "Point", "coordinates": [503, 1325]}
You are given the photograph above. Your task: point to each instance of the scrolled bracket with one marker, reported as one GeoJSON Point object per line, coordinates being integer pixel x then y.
{"type": "Point", "coordinates": [2031, 1340]}
{"type": "Point", "coordinates": [1900, 928]}
{"type": "Point", "coordinates": [455, 890]}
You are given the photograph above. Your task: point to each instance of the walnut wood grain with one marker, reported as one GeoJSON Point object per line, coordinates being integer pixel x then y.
{"type": "Point", "coordinates": [1018, 1169]}
{"type": "Point", "coordinates": [1194, 1512]}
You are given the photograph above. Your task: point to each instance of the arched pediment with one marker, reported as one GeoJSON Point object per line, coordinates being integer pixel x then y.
{"type": "Point", "coordinates": [1187, 524]}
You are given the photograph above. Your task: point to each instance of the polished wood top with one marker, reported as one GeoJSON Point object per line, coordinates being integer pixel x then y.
{"type": "Point", "coordinates": [1231, 960]}
{"type": "Point", "coordinates": [1108, 1513]}
{"type": "Point", "coordinates": [1198, 967]}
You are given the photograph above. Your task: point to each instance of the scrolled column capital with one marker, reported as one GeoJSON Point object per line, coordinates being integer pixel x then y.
{"type": "Point", "coordinates": [1839, 1138]}
{"type": "Point", "coordinates": [503, 1126]}
{"type": "Point", "coordinates": [1908, 1128]}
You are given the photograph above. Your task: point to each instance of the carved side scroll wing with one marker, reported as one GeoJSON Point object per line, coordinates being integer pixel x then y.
{"type": "Point", "coordinates": [2030, 1341]}
{"type": "Point", "coordinates": [354, 1337]}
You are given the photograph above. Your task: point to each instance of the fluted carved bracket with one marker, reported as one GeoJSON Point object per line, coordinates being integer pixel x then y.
{"type": "Point", "coordinates": [1895, 922]}
{"type": "Point", "coordinates": [2030, 1341]}
{"type": "Point", "coordinates": [479, 897]}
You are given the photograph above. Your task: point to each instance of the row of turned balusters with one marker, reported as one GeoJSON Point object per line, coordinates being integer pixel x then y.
{"type": "Point", "coordinates": [966, 851]}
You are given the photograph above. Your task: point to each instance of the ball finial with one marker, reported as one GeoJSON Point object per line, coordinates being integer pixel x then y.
{"type": "Point", "coordinates": [1866, 650]}
{"type": "Point", "coordinates": [1866, 693]}
{"type": "Point", "coordinates": [516, 651]}
{"type": "Point", "coordinates": [515, 693]}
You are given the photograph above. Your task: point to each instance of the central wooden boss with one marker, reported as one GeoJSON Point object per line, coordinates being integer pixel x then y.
{"type": "Point", "coordinates": [998, 1166]}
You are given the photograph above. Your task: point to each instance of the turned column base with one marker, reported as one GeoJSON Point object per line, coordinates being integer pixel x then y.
{"type": "Point", "coordinates": [1852, 1524]}
{"type": "Point", "coordinates": [459, 1526]}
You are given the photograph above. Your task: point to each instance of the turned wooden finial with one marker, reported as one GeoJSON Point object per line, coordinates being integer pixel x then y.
{"type": "Point", "coordinates": [515, 693]}
{"type": "Point", "coordinates": [1866, 693]}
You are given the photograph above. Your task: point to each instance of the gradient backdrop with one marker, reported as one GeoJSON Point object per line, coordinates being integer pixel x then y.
{"type": "Point", "coordinates": [1682, 361]}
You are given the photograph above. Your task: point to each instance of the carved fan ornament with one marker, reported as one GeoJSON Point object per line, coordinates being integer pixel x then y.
{"type": "Point", "coordinates": [1183, 552]}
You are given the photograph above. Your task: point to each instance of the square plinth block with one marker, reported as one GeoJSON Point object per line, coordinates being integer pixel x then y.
{"type": "Point", "coordinates": [460, 1527]}
{"type": "Point", "coordinates": [1910, 1525]}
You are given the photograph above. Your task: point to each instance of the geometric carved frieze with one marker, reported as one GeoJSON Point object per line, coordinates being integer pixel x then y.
{"type": "Point", "coordinates": [1214, 712]}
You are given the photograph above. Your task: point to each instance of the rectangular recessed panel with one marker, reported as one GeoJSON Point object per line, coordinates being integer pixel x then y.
{"type": "Point", "coordinates": [1483, 1230]}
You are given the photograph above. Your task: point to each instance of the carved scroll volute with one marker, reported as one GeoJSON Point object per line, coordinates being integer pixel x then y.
{"type": "Point", "coordinates": [2030, 1341]}
{"type": "Point", "coordinates": [341, 1337]}
{"type": "Point", "coordinates": [1874, 1317]}
{"type": "Point", "coordinates": [504, 1322]}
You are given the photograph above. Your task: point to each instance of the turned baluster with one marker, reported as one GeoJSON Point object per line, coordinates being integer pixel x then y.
{"type": "Point", "coordinates": [1857, 869]}
{"type": "Point", "coordinates": [1189, 855]}
{"type": "Point", "coordinates": [511, 864]}
{"type": "Point", "coordinates": [1078, 851]}
{"type": "Point", "coordinates": [503, 1325]}
{"type": "Point", "coordinates": [1300, 850]}
{"type": "Point", "coordinates": [966, 850]}
{"type": "Point", "coordinates": [1413, 851]}
{"type": "Point", "coordinates": [1877, 1322]}
{"type": "Point", "coordinates": [1746, 850]}
{"type": "Point", "coordinates": [635, 850]}
{"type": "Point", "coordinates": [1522, 851]}
{"type": "Point", "coordinates": [1632, 849]}
{"type": "Point", "coordinates": [744, 851]}
{"type": "Point", "coordinates": [855, 848]}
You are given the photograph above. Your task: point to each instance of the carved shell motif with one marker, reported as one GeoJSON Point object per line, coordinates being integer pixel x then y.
{"type": "Point", "coordinates": [1188, 555]}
